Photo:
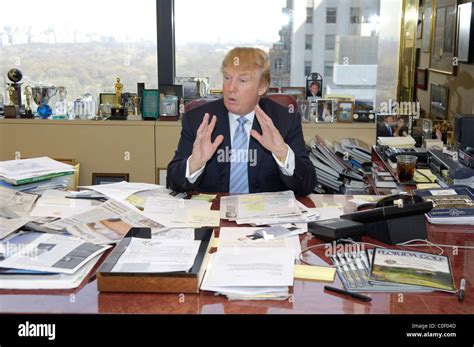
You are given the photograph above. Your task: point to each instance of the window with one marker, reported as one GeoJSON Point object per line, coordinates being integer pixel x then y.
{"type": "Point", "coordinates": [309, 42]}
{"type": "Point", "coordinates": [309, 15]}
{"type": "Point", "coordinates": [330, 43]}
{"type": "Point", "coordinates": [328, 69]}
{"type": "Point", "coordinates": [83, 50]}
{"type": "Point", "coordinates": [278, 65]}
{"type": "Point", "coordinates": [307, 68]}
{"type": "Point", "coordinates": [204, 37]}
{"type": "Point", "coordinates": [331, 14]}
{"type": "Point", "coordinates": [355, 15]}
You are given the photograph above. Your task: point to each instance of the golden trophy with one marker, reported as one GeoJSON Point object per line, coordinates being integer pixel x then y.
{"type": "Point", "coordinates": [118, 110]}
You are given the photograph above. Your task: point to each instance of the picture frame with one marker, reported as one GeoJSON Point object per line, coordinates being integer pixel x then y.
{"type": "Point", "coordinates": [314, 86]}
{"type": "Point", "coordinates": [442, 45]}
{"type": "Point", "coordinates": [273, 90]}
{"type": "Point", "coordinates": [313, 111]}
{"type": "Point", "coordinates": [439, 102]}
{"type": "Point", "coordinates": [171, 89]}
{"type": "Point", "coordinates": [426, 30]}
{"type": "Point", "coordinates": [345, 110]}
{"type": "Point", "coordinates": [303, 109]}
{"type": "Point", "coordinates": [107, 178]}
{"type": "Point", "coordinates": [364, 111]}
{"type": "Point", "coordinates": [419, 27]}
{"type": "Point", "coordinates": [107, 98]}
{"type": "Point", "coordinates": [465, 33]}
{"type": "Point", "coordinates": [422, 78]}
{"type": "Point", "coordinates": [194, 87]}
{"type": "Point", "coordinates": [400, 125]}
{"type": "Point", "coordinates": [297, 92]}
{"type": "Point", "coordinates": [326, 110]}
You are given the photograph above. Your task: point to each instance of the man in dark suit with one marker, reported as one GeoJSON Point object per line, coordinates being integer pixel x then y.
{"type": "Point", "coordinates": [385, 129]}
{"type": "Point", "coordinates": [251, 144]}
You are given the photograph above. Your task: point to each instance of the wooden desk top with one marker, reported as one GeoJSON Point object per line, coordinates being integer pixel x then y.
{"type": "Point", "coordinates": [308, 297]}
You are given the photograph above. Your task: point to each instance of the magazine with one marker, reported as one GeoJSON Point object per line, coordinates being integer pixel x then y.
{"type": "Point", "coordinates": [414, 268]}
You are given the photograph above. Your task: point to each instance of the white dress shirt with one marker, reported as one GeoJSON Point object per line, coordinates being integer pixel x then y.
{"type": "Point", "coordinates": [287, 167]}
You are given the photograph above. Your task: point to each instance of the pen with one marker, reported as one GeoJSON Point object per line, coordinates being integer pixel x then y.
{"type": "Point", "coordinates": [462, 288]}
{"type": "Point", "coordinates": [353, 295]}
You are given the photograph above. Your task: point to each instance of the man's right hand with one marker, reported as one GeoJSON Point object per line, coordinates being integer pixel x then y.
{"type": "Point", "coordinates": [203, 148]}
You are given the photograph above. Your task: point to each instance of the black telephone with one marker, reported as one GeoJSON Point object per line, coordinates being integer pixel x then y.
{"type": "Point", "coordinates": [394, 223]}
{"type": "Point", "coordinates": [420, 153]}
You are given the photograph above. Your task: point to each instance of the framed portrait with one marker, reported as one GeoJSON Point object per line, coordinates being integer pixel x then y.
{"type": "Point", "coordinates": [325, 110]}
{"type": "Point", "coordinates": [303, 109]}
{"type": "Point", "coordinates": [297, 92]}
{"type": "Point", "coordinates": [107, 178]}
{"type": "Point", "coordinates": [394, 125]}
{"type": "Point", "coordinates": [314, 86]}
{"type": "Point", "coordinates": [172, 89]}
{"type": "Point", "coordinates": [442, 46]}
{"type": "Point", "coordinates": [426, 34]}
{"type": "Point", "coordinates": [345, 109]}
{"type": "Point", "coordinates": [465, 32]}
{"type": "Point", "coordinates": [422, 78]}
{"type": "Point", "coordinates": [107, 98]}
{"type": "Point", "coordinates": [439, 102]}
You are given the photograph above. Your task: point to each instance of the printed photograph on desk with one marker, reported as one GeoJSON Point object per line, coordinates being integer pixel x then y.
{"type": "Point", "coordinates": [394, 125]}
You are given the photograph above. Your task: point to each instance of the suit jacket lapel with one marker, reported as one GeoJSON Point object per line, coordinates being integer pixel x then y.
{"type": "Point", "coordinates": [223, 128]}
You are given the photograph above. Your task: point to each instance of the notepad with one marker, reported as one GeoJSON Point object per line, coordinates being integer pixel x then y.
{"type": "Point", "coordinates": [314, 273]}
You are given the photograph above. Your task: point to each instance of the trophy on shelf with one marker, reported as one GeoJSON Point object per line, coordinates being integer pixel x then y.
{"type": "Point", "coordinates": [117, 109]}
{"type": "Point", "coordinates": [41, 96]}
{"type": "Point", "coordinates": [28, 112]}
{"type": "Point", "coordinates": [12, 110]}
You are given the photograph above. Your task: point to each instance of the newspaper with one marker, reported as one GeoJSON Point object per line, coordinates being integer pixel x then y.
{"type": "Point", "coordinates": [12, 201]}
{"type": "Point", "coordinates": [121, 190]}
{"type": "Point", "coordinates": [33, 167]}
{"type": "Point", "coordinates": [10, 225]}
{"type": "Point", "coordinates": [51, 253]}
{"type": "Point", "coordinates": [259, 205]}
{"type": "Point", "coordinates": [106, 223]}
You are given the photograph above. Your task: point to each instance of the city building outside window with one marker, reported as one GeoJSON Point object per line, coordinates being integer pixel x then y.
{"type": "Point", "coordinates": [331, 15]}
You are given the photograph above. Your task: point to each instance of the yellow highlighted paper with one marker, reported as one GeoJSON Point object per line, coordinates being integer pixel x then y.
{"type": "Point", "coordinates": [314, 273]}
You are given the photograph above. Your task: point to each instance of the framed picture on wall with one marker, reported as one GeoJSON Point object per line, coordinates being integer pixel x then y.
{"type": "Point", "coordinates": [422, 78]}
{"type": "Point", "coordinates": [439, 102]}
{"type": "Point", "coordinates": [465, 32]}
{"type": "Point", "coordinates": [426, 30]}
{"type": "Point", "coordinates": [107, 178]}
{"type": "Point", "coordinates": [442, 46]}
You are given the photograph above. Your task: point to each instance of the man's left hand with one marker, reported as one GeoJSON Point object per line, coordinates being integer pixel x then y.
{"type": "Point", "coordinates": [270, 138]}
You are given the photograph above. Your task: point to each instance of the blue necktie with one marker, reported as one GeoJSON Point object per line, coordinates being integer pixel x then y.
{"type": "Point", "coordinates": [239, 181]}
{"type": "Point", "coordinates": [389, 128]}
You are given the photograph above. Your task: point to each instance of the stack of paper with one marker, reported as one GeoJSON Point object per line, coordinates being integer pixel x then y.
{"type": "Point", "coordinates": [397, 141]}
{"type": "Point", "coordinates": [35, 174]}
{"type": "Point", "coordinates": [45, 261]}
{"type": "Point", "coordinates": [248, 268]}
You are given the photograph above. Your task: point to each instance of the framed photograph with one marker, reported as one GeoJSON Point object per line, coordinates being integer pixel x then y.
{"type": "Point", "coordinates": [426, 35]}
{"type": "Point", "coordinates": [439, 102]}
{"type": "Point", "coordinates": [107, 98]}
{"type": "Point", "coordinates": [194, 87]}
{"type": "Point", "coordinates": [303, 108]}
{"type": "Point", "coordinates": [297, 92]}
{"type": "Point", "coordinates": [364, 111]}
{"type": "Point", "coordinates": [313, 111]}
{"type": "Point", "coordinates": [422, 78]}
{"type": "Point", "coordinates": [345, 109]}
{"type": "Point", "coordinates": [465, 32]}
{"type": "Point", "coordinates": [273, 90]}
{"type": "Point", "coordinates": [394, 125]}
{"type": "Point", "coordinates": [325, 110]}
{"type": "Point", "coordinates": [151, 104]}
{"type": "Point", "coordinates": [171, 89]}
{"type": "Point", "coordinates": [442, 51]}
{"type": "Point", "coordinates": [314, 86]}
{"type": "Point", "coordinates": [107, 178]}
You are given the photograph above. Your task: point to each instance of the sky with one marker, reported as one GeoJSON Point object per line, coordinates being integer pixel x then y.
{"type": "Point", "coordinates": [196, 20]}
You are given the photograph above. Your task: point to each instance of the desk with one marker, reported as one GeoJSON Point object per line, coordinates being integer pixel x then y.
{"type": "Point", "coordinates": [308, 297]}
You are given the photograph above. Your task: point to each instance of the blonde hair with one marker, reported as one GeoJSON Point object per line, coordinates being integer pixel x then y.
{"type": "Point", "coordinates": [249, 58]}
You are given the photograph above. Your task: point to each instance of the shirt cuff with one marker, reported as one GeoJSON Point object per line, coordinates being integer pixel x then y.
{"type": "Point", "coordinates": [192, 178]}
{"type": "Point", "coordinates": [288, 166]}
